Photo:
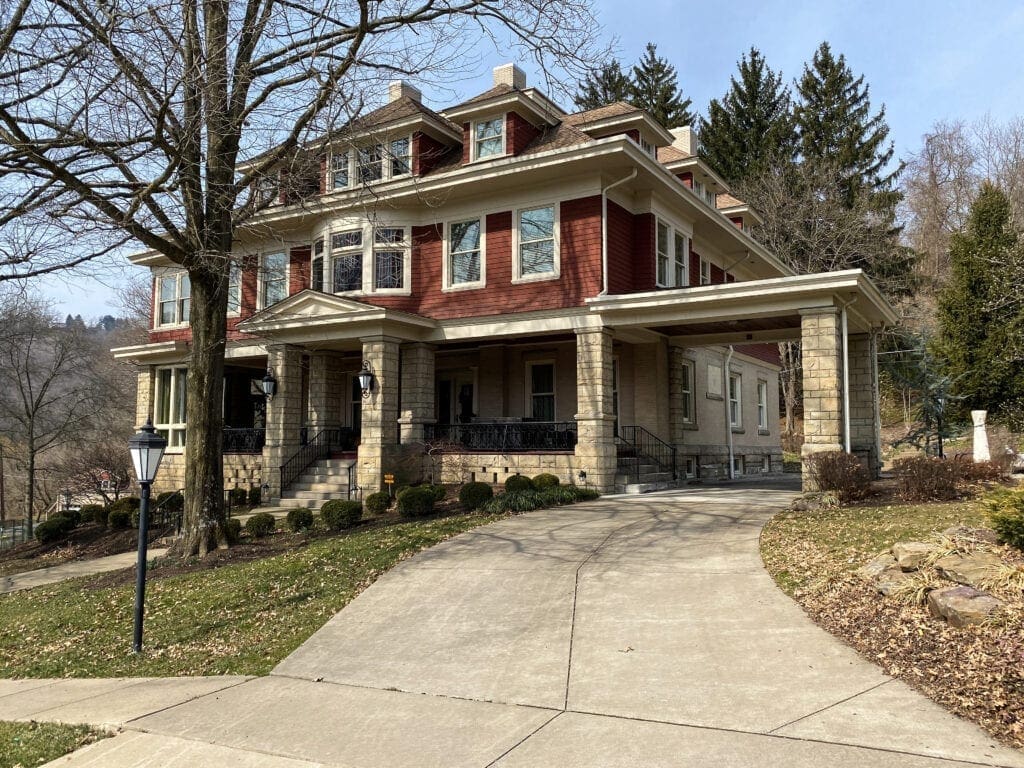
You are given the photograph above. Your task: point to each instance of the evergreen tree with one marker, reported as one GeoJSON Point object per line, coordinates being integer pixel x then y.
{"type": "Point", "coordinates": [752, 125]}
{"type": "Point", "coordinates": [834, 123]}
{"type": "Point", "coordinates": [655, 88]}
{"type": "Point", "coordinates": [978, 331]}
{"type": "Point", "coordinates": [604, 86]}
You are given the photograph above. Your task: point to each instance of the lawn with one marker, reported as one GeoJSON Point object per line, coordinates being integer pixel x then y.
{"type": "Point", "coordinates": [28, 744]}
{"type": "Point", "coordinates": [235, 619]}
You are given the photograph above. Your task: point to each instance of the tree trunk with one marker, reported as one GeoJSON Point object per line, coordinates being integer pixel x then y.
{"type": "Point", "coordinates": [790, 380]}
{"type": "Point", "coordinates": [204, 460]}
{"type": "Point", "coordinates": [30, 490]}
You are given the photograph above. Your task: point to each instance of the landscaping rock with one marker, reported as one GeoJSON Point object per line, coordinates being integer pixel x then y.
{"type": "Point", "coordinates": [970, 569]}
{"type": "Point", "coordinates": [961, 606]}
{"type": "Point", "coordinates": [910, 555]}
{"type": "Point", "coordinates": [878, 565]}
{"type": "Point", "coordinates": [977, 535]}
{"type": "Point", "coordinates": [890, 578]}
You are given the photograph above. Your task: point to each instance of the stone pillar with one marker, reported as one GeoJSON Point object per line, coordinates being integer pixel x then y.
{"type": "Point", "coordinates": [595, 419]}
{"type": "Point", "coordinates": [326, 390]}
{"type": "Point", "coordinates": [865, 416]}
{"type": "Point", "coordinates": [144, 405]}
{"type": "Point", "coordinates": [822, 350]}
{"type": "Point", "coordinates": [378, 441]}
{"type": "Point", "coordinates": [676, 360]}
{"type": "Point", "coordinates": [284, 413]}
{"type": "Point", "coordinates": [981, 451]}
{"type": "Point", "coordinates": [417, 392]}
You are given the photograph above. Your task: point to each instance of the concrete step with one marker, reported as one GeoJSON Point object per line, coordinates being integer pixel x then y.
{"type": "Point", "coordinates": [324, 477]}
{"type": "Point", "coordinates": [636, 488]}
{"type": "Point", "coordinates": [321, 495]}
{"type": "Point", "coordinates": [313, 504]}
{"type": "Point", "coordinates": [645, 477]}
{"type": "Point", "coordinates": [645, 469]}
{"type": "Point", "coordinates": [333, 486]}
{"type": "Point", "coordinates": [334, 464]}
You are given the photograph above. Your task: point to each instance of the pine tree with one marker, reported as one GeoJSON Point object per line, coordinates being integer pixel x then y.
{"type": "Point", "coordinates": [977, 330]}
{"type": "Point", "coordinates": [655, 88]}
{"type": "Point", "coordinates": [752, 125]}
{"type": "Point", "coordinates": [603, 86]}
{"type": "Point", "coordinates": [834, 123]}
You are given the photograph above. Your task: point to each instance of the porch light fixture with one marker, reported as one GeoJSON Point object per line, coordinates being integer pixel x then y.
{"type": "Point", "coordinates": [269, 384]}
{"type": "Point", "coordinates": [147, 449]}
{"type": "Point", "coordinates": [582, 477]}
{"type": "Point", "coordinates": [365, 377]}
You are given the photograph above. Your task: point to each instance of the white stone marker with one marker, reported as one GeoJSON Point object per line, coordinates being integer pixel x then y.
{"type": "Point", "coordinates": [980, 436]}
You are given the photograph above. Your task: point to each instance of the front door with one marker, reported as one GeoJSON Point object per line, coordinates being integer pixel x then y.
{"type": "Point", "coordinates": [456, 398]}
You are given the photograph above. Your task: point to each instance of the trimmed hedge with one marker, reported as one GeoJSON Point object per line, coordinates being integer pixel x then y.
{"type": "Point", "coordinates": [439, 492]}
{"type": "Point", "coordinates": [238, 497]}
{"type": "Point", "coordinates": [416, 502]}
{"type": "Point", "coordinates": [299, 519]}
{"type": "Point", "coordinates": [170, 501]}
{"type": "Point", "coordinates": [73, 515]}
{"type": "Point", "coordinates": [526, 501]}
{"type": "Point", "coordinates": [341, 513]}
{"type": "Point", "coordinates": [261, 524]}
{"type": "Point", "coordinates": [232, 530]}
{"type": "Point", "coordinates": [119, 519]}
{"type": "Point", "coordinates": [95, 512]}
{"type": "Point", "coordinates": [54, 529]}
{"type": "Point", "coordinates": [518, 484]}
{"type": "Point", "coordinates": [255, 496]}
{"type": "Point", "coordinates": [127, 504]}
{"type": "Point", "coordinates": [473, 495]}
{"type": "Point", "coordinates": [378, 503]}
{"type": "Point", "coordinates": [545, 480]}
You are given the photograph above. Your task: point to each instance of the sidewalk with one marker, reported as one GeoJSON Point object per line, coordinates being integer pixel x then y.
{"type": "Point", "coordinates": [74, 569]}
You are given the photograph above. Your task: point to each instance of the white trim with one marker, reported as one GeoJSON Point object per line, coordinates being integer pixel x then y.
{"type": "Point", "coordinates": [474, 157]}
{"type": "Point", "coordinates": [368, 265]}
{"type": "Point", "coordinates": [446, 271]}
{"type": "Point", "coordinates": [179, 321]}
{"type": "Point", "coordinates": [260, 271]}
{"type": "Point", "coordinates": [170, 429]}
{"type": "Point", "coordinates": [556, 273]}
{"type": "Point", "coordinates": [528, 386]}
{"type": "Point", "coordinates": [351, 151]}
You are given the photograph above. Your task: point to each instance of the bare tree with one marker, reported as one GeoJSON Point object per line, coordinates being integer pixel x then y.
{"type": "Point", "coordinates": [130, 120]}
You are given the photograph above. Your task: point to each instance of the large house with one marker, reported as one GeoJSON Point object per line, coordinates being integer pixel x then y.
{"type": "Point", "coordinates": [503, 288]}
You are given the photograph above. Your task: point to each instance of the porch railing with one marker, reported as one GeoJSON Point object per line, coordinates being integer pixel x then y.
{"type": "Point", "coordinates": [506, 437]}
{"type": "Point", "coordinates": [637, 446]}
{"type": "Point", "coordinates": [318, 447]}
{"type": "Point", "coordinates": [244, 440]}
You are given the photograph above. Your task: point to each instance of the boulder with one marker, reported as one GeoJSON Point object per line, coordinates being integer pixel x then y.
{"type": "Point", "coordinates": [976, 535]}
{"type": "Point", "coordinates": [910, 555]}
{"type": "Point", "coordinates": [962, 605]}
{"type": "Point", "coordinates": [889, 579]}
{"type": "Point", "coordinates": [971, 569]}
{"type": "Point", "coordinates": [877, 565]}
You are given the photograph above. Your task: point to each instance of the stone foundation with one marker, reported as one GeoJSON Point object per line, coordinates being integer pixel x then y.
{"type": "Point", "coordinates": [496, 468]}
{"type": "Point", "coordinates": [244, 470]}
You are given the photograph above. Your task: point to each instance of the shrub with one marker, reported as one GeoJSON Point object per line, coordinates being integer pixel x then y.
{"type": "Point", "coordinates": [925, 478]}
{"type": "Point", "coordinates": [170, 501]}
{"type": "Point", "coordinates": [119, 519]}
{"type": "Point", "coordinates": [95, 512]}
{"type": "Point", "coordinates": [1006, 511]}
{"type": "Point", "coordinates": [261, 524]}
{"type": "Point", "coordinates": [341, 513]}
{"type": "Point", "coordinates": [545, 480]}
{"type": "Point", "coordinates": [416, 502]}
{"type": "Point", "coordinates": [127, 504]}
{"type": "Point", "coordinates": [840, 472]}
{"type": "Point", "coordinates": [439, 492]}
{"type": "Point", "coordinates": [299, 519]}
{"type": "Point", "coordinates": [238, 497]}
{"type": "Point", "coordinates": [378, 503]}
{"type": "Point", "coordinates": [73, 515]}
{"type": "Point", "coordinates": [518, 483]}
{"type": "Point", "coordinates": [968, 471]}
{"type": "Point", "coordinates": [255, 496]}
{"type": "Point", "coordinates": [526, 501]}
{"type": "Point", "coordinates": [473, 495]}
{"type": "Point", "coordinates": [232, 530]}
{"type": "Point", "coordinates": [54, 529]}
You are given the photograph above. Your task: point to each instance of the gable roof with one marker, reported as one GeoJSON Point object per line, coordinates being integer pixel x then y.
{"type": "Point", "coordinates": [615, 109]}
{"type": "Point", "coordinates": [399, 109]}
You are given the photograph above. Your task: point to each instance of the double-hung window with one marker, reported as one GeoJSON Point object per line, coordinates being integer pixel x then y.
{"type": "Point", "coordinates": [175, 299]}
{"type": "Point", "coordinates": [541, 385]}
{"type": "Point", "coordinates": [682, 260]}
{"type": "Point", "coordinates": [664, 240]}
{"type": "Point", "coordinates": [762, 405]}
{"type": "Point", "coordinates": [687, 402]}
{"type": "Point", "coordinates": [705, 272]}
{"type": "Point", "coordinates": [735, 400]}
{"type": "Point", "coordinates": [672, 257]}
{"type": "Point", "coordinates": [389, 248]}
{"type": "Point", "coordinates": [170, 405]}
{"type": "Point", "coordinates": [464, 252]}
{"type": "Point", "coordinates": [399, 159]}
{"type": "Point", "coordinates": [339, 170]}
{"type": "Point", "coordinates": [317, 266]}
{"type": "Point", "coordinates": [489, 138]}
{"type": "Point", "coordinates": [275, 278]}
{"type": "Point", "coordinates": [537, 253]}
{"type": "Point", "coordinates": [268, 190]}
{"type": "Point", "coordinates": [347, 260]}
{"type": "Point", "coordinates": [234, 288]}
{"type": "Point", "coordinates": [370, 163]}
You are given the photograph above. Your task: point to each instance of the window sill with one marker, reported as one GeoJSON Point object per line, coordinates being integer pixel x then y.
{"type": "Point", "coordinates": [711, 396]}
{"type": "Point", "coordinates": [690, 425]}
{"type": "Point", "coordinates": [738, 430]}
{"type": "Point", "coordinates": [389, 292]}
{"type": "Point", "coordinates": [763, 431]}
{"type": "Point", "coordinates": [170, 327]}
{"type": "Point", "coordinates": [463, 287]}
{"type": "Point", "coordinates": [538, 278]}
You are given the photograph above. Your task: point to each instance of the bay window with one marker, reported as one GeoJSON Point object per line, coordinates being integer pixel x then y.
{"type": "Point", "coordinates": [274, 275]}
{"type": "Point", "coordinates": [347, 260]}
{"type": "Point", "coordinates": [464, 252]}
{"type": "Point", "coordinates": [169, 413]}
{"type": "Point", "coordinates": [489, 138]}
{"type": "Point", "coordinates": [537, 252]}
{"type": "Point", "coordinates": [175, 299]}
{"type": "Point", "coordinates": [389, 249]}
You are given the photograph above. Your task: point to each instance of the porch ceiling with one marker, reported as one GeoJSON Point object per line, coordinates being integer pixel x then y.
{"type": "Point", "coordinates": [749, 311]}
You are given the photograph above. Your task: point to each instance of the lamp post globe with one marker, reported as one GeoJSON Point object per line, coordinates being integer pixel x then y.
{"type": "Point", "coordinates": [269, 384]}
{"type": "Point", "coordinates": [365, 378]}
{"type": "Point", "coordinates": [147, 449]}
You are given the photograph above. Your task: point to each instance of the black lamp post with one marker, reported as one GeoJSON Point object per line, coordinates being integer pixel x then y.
{"type": "Point", "coordinates": [147, 449]}
{"type": "Point", "coordinates": [66, 493]}
{"type": "Point", "coordinates": [941, 402]}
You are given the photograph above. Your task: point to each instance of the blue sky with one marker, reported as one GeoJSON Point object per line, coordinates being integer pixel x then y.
{"type": "Point", "coordinates": [926, 61]}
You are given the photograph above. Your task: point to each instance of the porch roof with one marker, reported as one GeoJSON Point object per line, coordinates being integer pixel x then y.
{"type": "Point", "coordinates": [749, 311]}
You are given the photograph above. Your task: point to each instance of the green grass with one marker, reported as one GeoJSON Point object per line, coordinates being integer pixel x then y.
{"type": "Point", "coordinates": [799, 547]}
{"type": "Point", "coordinates": [29, 744]}
{"type": "Point", "coordinates": [236, 619]}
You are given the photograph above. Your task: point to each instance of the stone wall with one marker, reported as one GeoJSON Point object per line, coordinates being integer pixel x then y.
{"type": "Point", "coordinates": [496, 468]}
{"type": "Point", "coordinates": [242, 470]}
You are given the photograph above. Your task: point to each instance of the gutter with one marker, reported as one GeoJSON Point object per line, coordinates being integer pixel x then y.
{"type": "Point", "coordinates": [846, 374]}
{"type": "Point", "coordinates": [604, 229]}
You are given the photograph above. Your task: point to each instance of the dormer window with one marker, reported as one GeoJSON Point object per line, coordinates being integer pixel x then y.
{"type": "Point", "coordinates": [371, 163]}
{"type": "Point", "coordinates": [489, 138]}
{"type": "Point", "coordinates": [339, 171]}
{"type": "Point", "coordinates": [647, 147]}
{"type": "Point", "coordinates": [267, 190]}
{"type": "Point", "coordinates": [401, 160]}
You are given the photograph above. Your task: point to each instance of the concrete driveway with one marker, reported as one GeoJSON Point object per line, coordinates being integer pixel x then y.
{"type": "Point", "coordinates": [635, 631]}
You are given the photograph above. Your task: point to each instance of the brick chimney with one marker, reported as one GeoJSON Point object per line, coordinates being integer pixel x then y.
{"type": "Point", "coordinates": [398, 89]}
{"type": "Point", "coordinates": [510, 74]}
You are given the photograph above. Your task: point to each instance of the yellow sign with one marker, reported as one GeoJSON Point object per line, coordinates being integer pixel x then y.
{"type": "Point", "coordinates": [389, 479]}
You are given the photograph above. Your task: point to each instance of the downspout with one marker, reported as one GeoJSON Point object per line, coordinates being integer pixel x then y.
{"type": "Point", "coordinates": [846, 375]}
{"type": "Point", "coordinates": [728, 412]}
{"type": "Point", "coordinates": [604, 230]}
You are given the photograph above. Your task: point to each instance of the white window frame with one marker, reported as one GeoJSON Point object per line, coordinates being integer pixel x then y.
{"type": "Point", "coordinates": [690, 467]}
{"type": "Point", "coordinates": [351, 163]}
{"type": "Point", "coordinates": [404, 247]}
{"type": "Point", "coordinates": [475, 141]}
{"type": "Point", "coordinates": [671, 269]}
{"type": "Point", "coordinates": [662, 258]}
{"type": "Point", "coordinates": [181, 312]}
{"type": "Point", "coordinates": [446, 269]}
{"type": "Point", "coordinates": [261, 282]}
{"type": "Point", "coordinates": [320, 256]}
{"type": "Point", "coordinates": [737, 466]}
{"type": "Point", "coordinates": [392, 157]}
{"type": "Point", "coordinates": [681, 265]}
{"type": "Point", "coordinates": [234, 289]}
{"type": "Point", "coordinates": [530, 394]}
{"type": "Point", "coordinates": [735, 394]}
{"type": "Point", "coordinates": [647, 147]}
{"type": "Point", "coordinates": [517, 274]}
{"type": "Point", "coordinates": [173, 430]}
{"type": "Point", "coordinates": [368, 264]}
{"type": "Point", "coordinates": [335, 167]}
{"type": "Point", "coordinates": [705, 272]}
{"type": "Point", "coordinates": [688, 394]}
{"type": "Point", "coordinates": [332, 254]}
{"type": "Point", "coordinates": [268, 189]}
{"type": "Point", "coordinates": [762, 405]}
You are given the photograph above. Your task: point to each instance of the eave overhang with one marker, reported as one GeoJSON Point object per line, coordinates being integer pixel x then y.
{"type": "Point", "coordinates": [157, 352]}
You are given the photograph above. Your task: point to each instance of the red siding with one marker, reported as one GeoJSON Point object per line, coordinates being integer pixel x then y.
{"type": "Point", "coordinates": [768, 353]}
{"type": "Point", "coordinates": [518, 133]}
{"type": "Point", "coordinates": [466, 142]}
{"type": "Point", "coordinates": [737, 220]}
{"type": "Point", "coordinates": [686, 178]}
{"type": "Point", "coordinates": [717, 274]}
{"type": "Point", "coordinates": [620, 249]}
{"type": "Point", "coordinates": [694, 267]}
{"type": "Point", "coordinates": [298, 268]}
{"type": "Point", "coordinates": [643, 252]}
{"type": "Point", "coordinates": [425, 153]}
{"type": "Point", "coordinates": [634, 135]}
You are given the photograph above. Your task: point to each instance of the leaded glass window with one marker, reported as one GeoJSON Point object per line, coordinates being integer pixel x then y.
{"type": "Point", "coordinates": [388, 257]}
{"type": "Point", "coordinates": [347, 256]}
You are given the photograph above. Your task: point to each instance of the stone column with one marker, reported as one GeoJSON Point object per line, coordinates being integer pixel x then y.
{"type": "Point", "coordinates": [378, 441]}
{"type": "Point", "coordinates": [417, 392]}
{"type": "Point", "coordinates": [595, 419]}
{"type": "Point", "coordinates": [144, 405]}
{"type": "Point", "coordinates": [676, 360]}
{"type": "Point", "coordinates": [326, 388]}
{"type": "Point", "coordinates": [822, 350]}
{"type": "Point", "coordinates": [865, 416]}
{"type": "Point", "coordinates": [284, 413]}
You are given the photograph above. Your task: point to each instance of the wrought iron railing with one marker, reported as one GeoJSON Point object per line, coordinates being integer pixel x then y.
{"type": "Point", "coordinates": [318, 447]}
{"type": "Point", "coordinates": [169, 511]}
{"type": "Point", "coordinates": [506, 437]}
{"type": "Point", "coordinates": [244, 439]}
{"type": "Point", "coordinates": [637, 446]}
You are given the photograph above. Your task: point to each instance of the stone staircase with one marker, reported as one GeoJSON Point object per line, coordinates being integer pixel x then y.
{"type": "Point", "coordinates": [651, 478]}
{"type": "Point", "coordinates": [322, 481]}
